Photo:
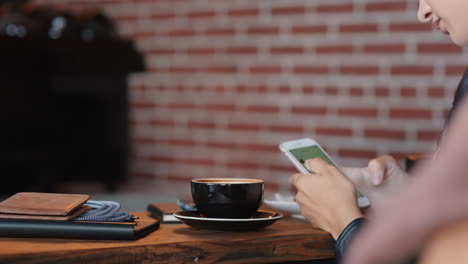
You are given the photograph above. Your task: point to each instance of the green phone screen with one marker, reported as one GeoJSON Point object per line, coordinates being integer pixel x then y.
{"type": "Point", "coordinates": [303, 154]}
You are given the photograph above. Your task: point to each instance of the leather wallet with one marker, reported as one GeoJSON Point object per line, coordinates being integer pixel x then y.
{"type": "Point", "coordinates": [53, 206]}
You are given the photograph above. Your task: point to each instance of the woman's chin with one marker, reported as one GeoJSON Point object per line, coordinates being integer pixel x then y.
{"type": "Point", "coordinates": [459, 40]}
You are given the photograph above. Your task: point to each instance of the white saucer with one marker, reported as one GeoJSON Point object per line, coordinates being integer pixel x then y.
{"type": "Point", "coordinates": [285, 203]}
{"type": "Point", "coordinates": [261, 220]}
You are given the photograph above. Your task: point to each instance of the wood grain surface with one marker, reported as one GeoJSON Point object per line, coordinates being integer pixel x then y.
{"type": "Point", "coordinates": [286, 240]}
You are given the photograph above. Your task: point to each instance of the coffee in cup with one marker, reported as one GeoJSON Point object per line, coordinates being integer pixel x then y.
{"type": "Point", "coordinates": [227, 197]}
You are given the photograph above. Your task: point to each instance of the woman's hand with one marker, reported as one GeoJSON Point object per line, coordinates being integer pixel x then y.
{"type": "Point", "coordinates": [327, 198]}
{"type": "Point", "coordinates": [380, 180]}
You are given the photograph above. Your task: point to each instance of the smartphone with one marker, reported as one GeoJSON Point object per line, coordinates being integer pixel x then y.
{"type": "Point", "coordinates": [300, 150]}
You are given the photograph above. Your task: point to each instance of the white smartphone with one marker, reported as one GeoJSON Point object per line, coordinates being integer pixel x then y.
{"type": "Point", "coordinates": [300, 150]}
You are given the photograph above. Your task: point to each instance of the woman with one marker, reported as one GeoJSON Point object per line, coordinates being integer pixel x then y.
{"type": "Point", "coordinates": [408, 210]}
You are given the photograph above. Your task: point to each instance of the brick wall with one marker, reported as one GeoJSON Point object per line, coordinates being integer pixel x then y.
{"type": "Point", "coordinates": [227, 81]}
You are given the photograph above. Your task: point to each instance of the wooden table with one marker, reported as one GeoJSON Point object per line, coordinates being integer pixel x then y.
{"type": "Point", "coordinates": [287, 240]}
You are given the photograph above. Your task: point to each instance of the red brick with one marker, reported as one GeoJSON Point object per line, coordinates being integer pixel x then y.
{"type": "Point", "coordinates": [430, 48]}
{"type": "Point", "coordinates": [200, 88]}
{"type": "Point", "coordinates": [287, 50]}
{"type": "Point", "coordinates": [399, 156]}
{"type": "Point", "coordinates": [261, 89]}
{"type": "Point", "coordinates": [283, 168]}
{"type": "Point", "coordinates": [294, 10]}
{"type": "Point", "coordinates": [242, 50]}
{"type": "Point", "coordinates": [166, 123]}
{"type": "Point", "coordinates": [141, 35]}
{"type": "Point", "coordinates": [428, 135]}
{"type": "Point", "coordinates": [242, 165]}
{"type": "Point", "coordinates": [357, 112]}
{"type": "Point", "coordinates": [163, 16]}
{"type": "Point", "coordinates": [263, 108]}
{"type": "Point", "coordinates": [153, 69]}
{"type": "Point", "coordinates": [283, 89]}
{"type": "Point", "coordinates": [410, 113]}
{"type": "Point", "coordinates": [385, 134]}
{"type": "Point", "coordinates": [310, 69]}
{"type": "Point", "coordinates": [221, 69]}
{"type": "Point", "coordinates": [408, 92]}
{"type": "Point", "coordinates": [197, 124]}
{"type": "Point", "coordinates": [181, 33]}
{"type": "Point", "coordinates": [410, 27]}
{"type": "Point", "coordinates": [356, 91]}
{"type": "Point", "coordinates": [412, 70]}
{"type": "Point", "coordinates": [143, 175]}
{"type": "Point", "coordinates": [161, 51]}
{"type": "Point", "coordinates": [340, 8]}
{"type": "Point", "coordinates": [265, 69]}
{"type": "Point", "coordinates": [360, 70]}
{"type": "Point", "coordinates": [181, 106]}
{"type": "Point", "coordinates": [163, 159]}
{"type": "Point", "coordinates": [263, 30]}
{"type": "Point", "coordinates": [357, 153]}
{"type": "Point", "coordinates": [181, 142]}
{"type": "Point", "coordinates": [436, 92]}
{"type": "Point", "coordinates": [334, 131]}
{"type": "Point", "coordinates": [358, 28]}
{"type": "Point", "coordinates": [384, 48]}
{"type": "Point", "coordinates": [308, 90]}
{"type": "Point", "coordinates": [219, 89]}
{"type": "Point", "coordinates": [243, 12]}
{"type": "Point", "coordinates": [220, 31]}
{"type": "Point", "coordinates": [309, 110]}
{"type": "Point", "coordinates": [201, 14]}
{"type": "Point", "coordinates": [331, 90]}
{"type": "Point", "coordinates": [125, 18]}
{"type": "Point", "coordinates": [262, 147]}
{"type": "Point", "coordinates": [201, 51]}
{"type": "Point", "coordinates": [199, 162]}
{"type": "Point", "coordinates": [222, 145]}
{"type": "Point", "coordinates": [242, 89]}
{"type": "Point", "coordinates": [455, 70]}
{"type": "Point", "coordinates": [386, 6]}
{"type": "Point", "coordinates": [309, 30]}
{"type": "Point", "coordinates": [182, 69]}
{"type": "Point", "coordinates": [286, 129]}
{"type": "Point", "coordinates": [243, 127]}
{"type": "Point", "coordinates": [220, 107]}
{"type": "Point", "coordinates": [327, 49]}
{"type": "Point", "coordinates": [178, 178]}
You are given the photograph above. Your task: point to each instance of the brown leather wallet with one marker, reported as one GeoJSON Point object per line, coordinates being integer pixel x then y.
{"type": "Point", "coordinates": [31, 205]}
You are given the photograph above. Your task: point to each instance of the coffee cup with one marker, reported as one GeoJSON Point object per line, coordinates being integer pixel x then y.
{"type": "Point", "coordinates": [227, 197]}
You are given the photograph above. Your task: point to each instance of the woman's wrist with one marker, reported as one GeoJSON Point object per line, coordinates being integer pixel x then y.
{"type": "Point", "coordinates": [343, 221]}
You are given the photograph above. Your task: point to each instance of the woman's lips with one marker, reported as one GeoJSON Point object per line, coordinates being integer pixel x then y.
{"type": "Point", "coordinates": [437, 24]}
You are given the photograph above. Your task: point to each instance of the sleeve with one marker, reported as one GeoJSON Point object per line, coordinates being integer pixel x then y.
{"type": "Point", "coordinates": [346, 236]}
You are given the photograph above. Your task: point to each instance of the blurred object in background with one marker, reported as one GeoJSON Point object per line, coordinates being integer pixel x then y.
{"type": "Point", "coordinates": [21, 19]}
{"type": "Point", "coordinates": [415, 158]}
{"type": "Point", "coordinates": [63, 101]}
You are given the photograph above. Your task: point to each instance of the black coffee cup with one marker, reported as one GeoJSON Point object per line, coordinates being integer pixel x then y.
{"type": "Point", "coordinates": [227, 197]}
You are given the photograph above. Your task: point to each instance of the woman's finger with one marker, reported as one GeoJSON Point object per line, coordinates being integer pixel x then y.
{"type": "Point", "coordinates": [317, 165]}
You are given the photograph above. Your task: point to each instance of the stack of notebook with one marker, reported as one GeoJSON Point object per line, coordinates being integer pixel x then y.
{"type": "Point", "coordinates": [51, 215]}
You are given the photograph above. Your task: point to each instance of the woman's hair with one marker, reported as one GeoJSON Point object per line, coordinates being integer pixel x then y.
{"type": "Point", "coordinates": [460, 93]}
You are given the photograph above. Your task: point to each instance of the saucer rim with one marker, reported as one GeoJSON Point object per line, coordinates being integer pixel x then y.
{"type": "Point", "coordinates": [274, 216]}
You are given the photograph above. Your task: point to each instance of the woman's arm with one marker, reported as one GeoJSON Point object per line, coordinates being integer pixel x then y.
{"type": "Point", "coordinates": [436, 196]}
